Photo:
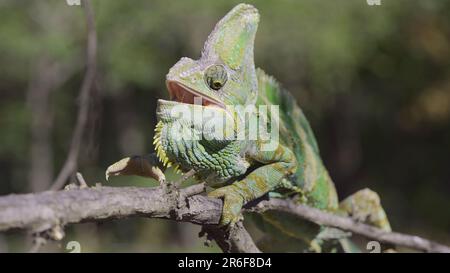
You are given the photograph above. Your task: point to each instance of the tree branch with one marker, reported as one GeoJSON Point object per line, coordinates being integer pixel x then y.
{"type": "Point", "coordinates": [237, 240]}
{"type": "Point", "coordinates": [46, 211]}
{"type": "Point", "coordinates": [345, 223]}
{"type": "Point", "coordinates": [100, 203]}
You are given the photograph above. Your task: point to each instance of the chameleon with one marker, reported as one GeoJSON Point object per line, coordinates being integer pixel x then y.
{"type": "Point", "coordinates": [221, 86]}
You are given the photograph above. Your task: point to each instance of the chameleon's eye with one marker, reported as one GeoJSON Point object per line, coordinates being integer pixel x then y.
{"type": "Point", "coordinates": [216, 76]}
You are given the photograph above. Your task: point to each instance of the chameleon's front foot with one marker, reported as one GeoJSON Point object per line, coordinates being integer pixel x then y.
{"type": "Point", "coordinates": [145, 166]}
{"type": "Point", "coordinates": [232, 205]}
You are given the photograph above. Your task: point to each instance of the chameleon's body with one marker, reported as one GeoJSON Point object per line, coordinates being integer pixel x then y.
{"type": "Point", "coordinates": [242, 170]}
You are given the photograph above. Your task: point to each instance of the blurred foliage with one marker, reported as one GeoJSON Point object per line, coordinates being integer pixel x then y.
{"type": "Point", "coordinates": [373, 80]}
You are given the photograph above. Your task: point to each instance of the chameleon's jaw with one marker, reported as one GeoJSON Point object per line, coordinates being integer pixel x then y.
{"type": "Point", "coordinates": [183, 94]}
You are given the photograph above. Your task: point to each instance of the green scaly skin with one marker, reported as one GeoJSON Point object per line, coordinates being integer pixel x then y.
{"type": "Point", "coordinates": [242, 170]}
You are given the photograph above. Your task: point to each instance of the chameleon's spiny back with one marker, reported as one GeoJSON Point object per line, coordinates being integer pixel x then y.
{"type": "Point", "coordinates": [296, 133]}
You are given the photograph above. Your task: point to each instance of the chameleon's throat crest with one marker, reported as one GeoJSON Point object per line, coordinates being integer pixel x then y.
{"type": "Point", "coordinates": [160, 152]}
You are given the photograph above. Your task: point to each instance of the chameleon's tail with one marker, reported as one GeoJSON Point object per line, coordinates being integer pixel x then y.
{"type": "Point", "coordinates": [365, 206]}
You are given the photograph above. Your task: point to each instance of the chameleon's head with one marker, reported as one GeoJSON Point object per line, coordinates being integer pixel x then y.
{"type": "Point", "coordinates": [225, 73]}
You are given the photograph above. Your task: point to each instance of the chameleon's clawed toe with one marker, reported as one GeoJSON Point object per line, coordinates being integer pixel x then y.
{"type": "Point", "coordinates": [144, 166]}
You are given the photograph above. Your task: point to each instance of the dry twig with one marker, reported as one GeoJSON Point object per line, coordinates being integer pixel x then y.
{"type": "Point", "coordinates": [70, 165]}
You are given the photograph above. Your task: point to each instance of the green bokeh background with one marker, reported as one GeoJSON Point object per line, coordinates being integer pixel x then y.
{"type": "Point", "coordinates": [374, 82]}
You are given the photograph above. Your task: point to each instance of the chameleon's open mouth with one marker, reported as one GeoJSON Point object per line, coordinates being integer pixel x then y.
{"type": "Point", "coordinates": [184, 94]}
